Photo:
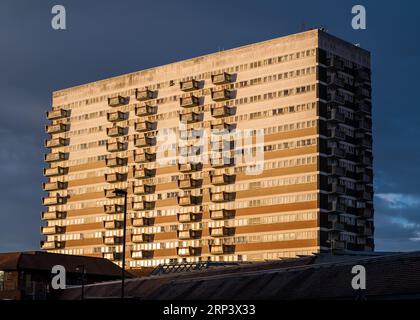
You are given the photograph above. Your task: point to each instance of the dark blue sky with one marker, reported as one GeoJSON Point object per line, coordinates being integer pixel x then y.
{"type": "Point", "coordinates": [108, 38]}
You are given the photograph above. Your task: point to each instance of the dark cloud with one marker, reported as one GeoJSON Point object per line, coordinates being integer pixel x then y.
{"type": "Point", "coordinates": [107, 38]}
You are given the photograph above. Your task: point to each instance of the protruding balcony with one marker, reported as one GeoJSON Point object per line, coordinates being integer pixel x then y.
{"type": "Point", "coordinates": [57, 128]}
{"type": "Point", "coordinates": [189, 85]}
{"type": "Point", "coordinates": [221, 126]}
{"type": "Point", "coordinates": [221, 78]}
{"type": "Point", "coordinates": [141, 238]}
{"type": "Point", "coordinates": [190, 150]}
{"type": "Point", "coordinates": [336, 170]}
{"type": "Point", "coordinates": [337, 134]}
{"type": "Point", "coordinates": [144, 95]}
{"type": "Point", "coordinates": [117, 101]}
{"type": "Point", "coordinates": [190, 134]}
{"type": "Point", "coordinates": [189, 101]}
{"type": "Point", "coordinates": [142, 254]}
{"type": "Point", "coordinates": [221, 232]}
{"type": "Point", "coordinates": [187, 251]}
{"type": "Point", "coordinates": [188, 217]}
{"type": "Point", "coordinates": [53, 215]}
{"type": "Point", "coordinates": [336, 152]}
{"type": "Point", "coordinates": [143, 205]}
{"type": "Point", "coordinates": [188, 234]}
{"type": "Point", "coordinates": [113, 240]}
{"type": "Point", "coordinates": [113, 224]}
{"type": "Point", "coordinates": [143, 126]}
{"type": "Point", "coordinates": [110, 193]}
{"type": "Point", "coordinates": [222, 196]}
{"type": "Point", "coordinates": [362, 74]}
{"type": "Point", "coordinates": [56, 185]}
{"type": "Point", "coordinates": [334, 81]}
{"type": "Point", "coordinates": [336, 116]}
{"type": "Point", "coordinates": [115, 177]}
{"type": "Point", "coordinates": [222, 111]}
{"type": "Point", "coordinates": [113, 208]}
{"type": "Point", "coordinates": [190, 167]}
{"type": "Point", "coordinates": [336, 188]}
{"type": "Point", "coordinates": [221, 249]}
{"type": "Point", "coordinates": [117, 116]}
{"type": "Point", "coordinates": [221, 95]}
{"type": "Point", "coordinates": [144, 173]}
{"type": "Point", "coordinates": [51, 230]}
{"type": "Point", "coordinates": [56, 171]}
{"type": "Point", "coordinates": [52, 245]}
{"type": "Point", "coordinates": [221, 161]}
{"type": "Point", "coordinates": [221, 214]}
{"type": "Point", "coordinates": [116, 146]}
{"type": "Point", "coordinates": [336, 98]}
{"type": "Point", "coordinates": [190, 183]}
{"type": "Point", "coordinates": [57, 114]}
{"type": "Point", "coordinates": [145, 110]}
{"type": "Point", "coordinates": [143, 141]}
{"type": "Point", "coordinates": [57, 142]}
{"type": "Point", "coordinates": [54, 200]}
{"type": "Point", "coordinates": [141, 222]}
{"type": "Point", "coordinates": [190, 117]}
{"type": "Point", "coordinates": [335, 63]}
{"type": "Point", "coordinates": [222, 179]}
{"type": "Point", "coordinates": [189, 200]}
{"type": "Point", "coordinates": [338, 207]}
{"type": "Point", "coordinates": [115, 131]}
{"type": "Point", "coordinates": [114, 161]}
{"type": "Point", "coordinates": [143, 189]}
{"type": "Point", "coordinates": [56, 156]}
{"type": "Point", "coordinates": [112, 256]}
{"type": "Point", "coordinates": [141, 156]}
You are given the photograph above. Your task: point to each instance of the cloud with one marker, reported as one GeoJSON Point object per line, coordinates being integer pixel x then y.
{"type": "Point", "coordinates": [400, 201]}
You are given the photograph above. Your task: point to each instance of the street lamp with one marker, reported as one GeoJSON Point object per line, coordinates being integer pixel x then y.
{"type": "Point", "coordinates": [82, 270]}
{"type": "Point", "coordinates": [122, 192]}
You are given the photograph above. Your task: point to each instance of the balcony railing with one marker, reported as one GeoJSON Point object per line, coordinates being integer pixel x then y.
{"type": "Point", "coordinates": [117, 116]}
{"type": "Point", "coordinates": [141, 238]}
{"type": "Point", "coordinates": [221, 214]}
{"type": "Point", "coordinates": [222, 196]}
{"type": "Point", "coordinates": [117, 101]}
{"type": "Point", "coordinates": [337, 207]}
{"type": "Point", "coordinates": [189, 200]}
{"type": "Point", "coordinates": [52, 186]}
{"type": "Point", "coordinates": [337, 152]}
{"type": "Point", "coordinates": [145, 110]}
{"type": "Point", "coordinates": [189, 85]}
{"type": "Point", "coordinates": [218, 162]}
{"type": "Point", "coordinates": [57, 128]}
{"type": "Point", "coordinates": [57, 114]}
{"type": "Point", "coordinates": [222, 111]}
{"type": "Point", "coordinates": [190, 183]}
{"type": "Point", "coordinates": [112, 256]}
{"type": "Point", "coordinates": [55, 143]}
{"type": "Point", "coordinates": [143, 189]}
{"type": "Point", "coordinates": [55, 200]}
{"type": "Point", "coordinates": [141, 222]}
{"type": "Point", "coordinates": [337, 99]}
{"type": "Point", "coordinates": [53, 215]}
{"type": "Point", "coordinates": [115, 131]}
{"type": "Point", "coordinates": [222, 127]}
{"type": "Point", "coordinates": [116, 146]}
{"type": "Point", "coordinates": [190, 134]}
{"type": "Point", "coordinates": [187, 251]}
{"type": "Point", "coordinates": [221, 95]}
{"type": "Point", "coordinates": [144, 173]}
{"type": "Point", "coordinates": [222, 179]}
{"type": "Point", "coordinates": [335, 63]}
{"type": "Point", "coordinates": [143, 205]}
{"type": "Point", "coordinates": [51, 245]}
{"type": "Point", "coordinates": [336, 188]}
{"type": "Point", "coordinates": [115, 161]}
{"type": "Point", "coordinates": [221, 249]}
{"type": "Point", "coordinates": [188, 217]}
{"type": "Point", "coordinates": [113, 240]}
{"type": "Point", "coordinates": [56, 156]}
{"type": "Point", "coordinates": [188, 234]}
{"type": "Point", "coordinates": [110, 193]}
{"type": "Point", "coordinates": [50, 230]}
{"type": "Point", "coordinates": [144, 141]}
{"type": "Point", "coordinates": [56, 171]}
{"type": "Point", "coordinates": [113, 208]}
{"type": "Point", "coordinates": [113, 224]}
{"type": "Point", "coordinates": [144, 95]}
{"type": "Point", "coordinates": [189, 167]}
{"type": "Point", "coordinates": [221, 78]}
{"type": "Point", "coordinates": [190, 101]}
{"type": "Point", "coordinates": [144, 126]}
{"type": "Point", "coordinates": [115, 177]}
{"type": "Point", "coordinates": [142, 254]}
{"type": "Point", "coordinates": [190, 117]}
{"type": "Point", "coordinates": [221, 232]}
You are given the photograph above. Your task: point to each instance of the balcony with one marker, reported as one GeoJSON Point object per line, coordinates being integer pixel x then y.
{"type": "Point", "coordinates": [54, 200]}
{"type": "Point", "coordinates": [113, 240]}
{"type": "Point", "coordinates": [51, 230]}
{"type": "Point", "coordinates": [336, 188]}
{"type": "Point", "coordinates": [364, 178]}
{"type": "Point", "coordinates": [112, 256]}
{"type": "Point", "coordinates": [366, 213]}
{"type": "Point", "coordinates": [51, 245]}
{"type": "Point", "coordinates": [116, 146]}
{"type": "Point", "coordinates": [110, 193]}
{"type": "Point", "coordinates": [190, 183]}
{"type": "Point", "coordinates": [336, 116]}
{"type": "Point", "coordinates": [364, 107]}
{"type": "Point", "coordinates": [144, 205]}
{"type": "Point", "coordinates": [142, 254]}
{"type": "Point", "coordinates": [58, 114]}
{"type": "Point", "coordinates": [221, 126]}
{"type": "Point", "coordinates": [337, 134]}
{"type": "Point", "coordinates": [222, 95]}
{"type": "Point", "coordinates": [221, 214]}
{"type": "Point", "coordinates": [115, 131]}
{"type": "Point", "coordinates": [190, 117]}
{"type": "Point", "coordinates": [116, 116]}
{"type": "Point", "coordinates": [189, 85]}
{"type": "Point", "coordinates": [188, 234]}
{"type": "Point", "coordinates": [141, 222]}
{"type": "Point", "coordinates": [336, 152]}
{"type": "Point", "coordinates": [336, 170]}
{"type": "Point", "coordinates": [221, 78]}
{"type": "Point", "coordinates": [335, 206]}
{"type": "Point", "coordinates": [52, 186]}
{"type": "Point", "coordinates": [362, 93]}
{"type": "Point", "coordinates": [190, 134]}
{"type": "Point", "coordinates": [189, 217]}
{"type": "Point", "coordinates": [145, 110]}
{"type": "Point", "coordinates": [113, 224]}
{"type": "Point", "coordinates": [144, 141]}
{"type": "Point", "coordinates": [337, 227]}
{"type": "Point", "coordinates": [365, 125]}
{"type": "Point", "coordinates": [222, 145]}
{"type": "Point", "coordinates": [221, 232]}
{"type": "Point", "coordinates": [57, 128]}
{"type": "Point", "coordinates": [187, 251]}
{"type": "Point", "coordinates": [362, 74]}
{"type": "Point", "coordinates": [144, 95]}
{"type": "Point", "coordinates": [115, 161]}
{"type": "Point", "coordinates": [144, 126]}
{"type": "Point", "coordinates": [222, 179]}
{"type": "Point", "coordinates": [115, 177]}
{"type": "Point", "coordinates": [334, 81]}
{"type": "Point", "coordinates": [143, 189]}
{"type": "Point", "coordinates": [335, 63]}
{"type": "Point", "coordinates": [141, 238]}
{"type": "Point", "coordinates": [56, 171]}
{"type": "Point", "coordinates": [53, 215]}
{"type": "Point", "coordinates": [218, 162]}
{"type": "Point", "coordinates": [222, 196]}
{"type": "Point", "coordinates": [190, 167]}
{"type": "Point", "coordinates": [113, 208]}
{"type": "Point", "coordinates": [221, 249]}
{"type": "Point", "coordinates": [56, 156]}
{"type": "Point", "coordinates": [335, 98]}
{"type": "Point", "coordinates": [189, 101]}
{"type": "Point", "coordinates": [189, 200]}
{"type": "Point", "coordinates": [191, 150]}
{"type": "Point", "coordinates": [144, 173]}
{"type": "Point", "coordinates": [117, 101]}
{"type": "Point", "coordinates": [222, 111]}
{"type": "Point", "coordinates": [55, 143]}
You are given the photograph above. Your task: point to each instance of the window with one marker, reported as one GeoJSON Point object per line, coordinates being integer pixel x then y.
{"type": "Point", "coordinates": [1, 280]}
